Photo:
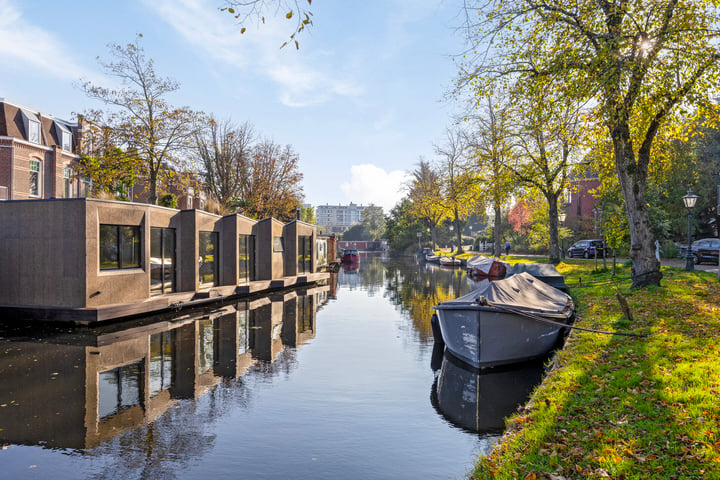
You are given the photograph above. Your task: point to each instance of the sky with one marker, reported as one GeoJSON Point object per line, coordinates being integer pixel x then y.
{"type": "Point", "coordinates": [361, 101]}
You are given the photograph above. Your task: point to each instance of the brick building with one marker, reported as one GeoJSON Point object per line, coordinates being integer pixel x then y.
{"type": "Point", "coordinates": [38, 155]}
{"type": "Point", "coordinates": [581, 214]}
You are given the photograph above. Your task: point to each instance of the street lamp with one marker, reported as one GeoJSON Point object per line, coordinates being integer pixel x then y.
{"type": "Point", "coordinates": [689, 201]}
{"type": "Point", "coordinates": [561, 217]}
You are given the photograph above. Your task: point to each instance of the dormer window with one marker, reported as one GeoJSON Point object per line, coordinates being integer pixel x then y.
{"type": "Point", "coordinates": [66, 141]}
{"type": "Point", "coordinates": [34, 131]}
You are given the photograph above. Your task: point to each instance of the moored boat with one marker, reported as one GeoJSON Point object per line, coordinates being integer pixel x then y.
{"type": "Point", "coordinates": [506, 321]}
{"type": "Point", "coordinates": [432, 258]}
{"type": "Point", "coordinates": [486, 267]}
{"type": "Point", "coordinates": [449, 262]}
{"type": "Point", "coordinates": [350, 256]}
{"type": "Point", "coordinates": [542, 271]}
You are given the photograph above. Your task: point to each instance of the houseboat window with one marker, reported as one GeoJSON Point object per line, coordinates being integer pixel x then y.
{"type": "Point", "coordinates": [34, 178]}
{"type": "Point", "coordinates": [119, 247]}
{"type": "Point", "coordinates": [246, 258]}
{"type": "Point", "coordinates": [119, 389]}
{"type": "Point", "coordinates": [208, 253]}
{"type": "Point", "coordinates": [67, 181]}
{"type": "Point", "coordinates": [278, 244]}
{"type": "Point", "coordinates": [34, 131]}
{"type": "Point", "coordinates": [162, 351]}
{"type": "Point", "coordinates": [206, 345]}
{"type": "Point", "coordinates": [162, 260]}
{"type": "Point", "coordinates": [304, 254]}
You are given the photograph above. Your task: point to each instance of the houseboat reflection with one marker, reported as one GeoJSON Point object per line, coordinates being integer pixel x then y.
{"type": "Point", "coordinates": [75, 388]}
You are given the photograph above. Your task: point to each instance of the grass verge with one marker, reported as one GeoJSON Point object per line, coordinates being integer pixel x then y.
{"type": "Point", "coordinates": [624, 407]}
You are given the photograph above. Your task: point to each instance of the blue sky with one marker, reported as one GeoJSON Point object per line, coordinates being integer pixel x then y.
{"type": "Point", "coordinates": [360, 102]}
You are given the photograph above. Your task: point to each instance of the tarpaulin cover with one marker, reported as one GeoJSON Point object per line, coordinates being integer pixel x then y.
{"type": "Point", "coordinates": [521, 291]}
{"type": "Point", "coordinates": [543, 271]}
{"type": "Point", "coordinates": [486, 266]}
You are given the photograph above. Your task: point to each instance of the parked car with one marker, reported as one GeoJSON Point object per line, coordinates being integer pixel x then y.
{"type": "Point", "coordinates": [586, 249]}
{"type": "Point", "coordinates": [706, 250]}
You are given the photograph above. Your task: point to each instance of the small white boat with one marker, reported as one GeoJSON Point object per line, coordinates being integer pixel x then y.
{"type": "Point", "coordinates": [432, 258]}
{"type": "Point", "coordinates": [506, 321]}
{"type": "Point", "coordinates": [449, 262]}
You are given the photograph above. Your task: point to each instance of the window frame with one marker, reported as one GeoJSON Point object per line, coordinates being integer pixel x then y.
{"type": "Point", "coordinates": [67, 182]}
{"type": "Point", "coordinates": [38, 180]}
{"type": "Point", "coordinates": [120, 264]}
{"type": "Point", "coordinates": [34, 135]}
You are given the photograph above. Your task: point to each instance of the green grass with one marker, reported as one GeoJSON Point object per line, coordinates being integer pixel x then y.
{"type": "Point", "coordinates": [625, 407]}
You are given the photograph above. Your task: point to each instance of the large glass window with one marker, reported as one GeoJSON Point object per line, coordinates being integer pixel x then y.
{"type": "Point", "coordinates": [162, 260]}
{"type": "Point", "coordinates": [119, 247]}
{"type": "Point", "coordinates": [120, 388]}
{"type": "Point", "coordinates": [208, 257]}
{"type": "Point", "coordinates": [161, 362]}
{"type": "Point", "coordinates": [35, 178]}
{"type": "Point", "coordinates": [304, 254]}
{"type": "Point", "coordinates": [246, 258]}
{"type": "Point", "coordinates": [67, 182]}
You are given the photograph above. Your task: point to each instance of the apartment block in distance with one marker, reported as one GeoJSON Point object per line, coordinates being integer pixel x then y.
{"type": "Point", "coordinates": [338, 218]}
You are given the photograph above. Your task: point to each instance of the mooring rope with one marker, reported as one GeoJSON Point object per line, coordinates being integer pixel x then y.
{"type": "Point", "coordinates": [483, 301]}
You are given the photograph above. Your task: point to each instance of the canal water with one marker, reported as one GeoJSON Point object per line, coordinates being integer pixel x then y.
{"type": "Point", "coordinates": [334, 381]}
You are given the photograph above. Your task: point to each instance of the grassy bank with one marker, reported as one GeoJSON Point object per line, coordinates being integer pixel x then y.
{"type": "Point", "coordinates": [625, 407]}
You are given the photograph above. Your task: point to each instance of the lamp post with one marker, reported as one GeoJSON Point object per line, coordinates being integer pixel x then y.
{"type": "Point", "coordinates": [689, 201]}
{"type": "Point", "coordinates": [419, 236]}
{"type": "Point", "coordinates": [561, 217]}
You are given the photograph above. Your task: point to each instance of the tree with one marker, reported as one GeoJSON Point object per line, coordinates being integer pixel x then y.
{"type": "Point", "coordinates": [642, 64]}
{"type": "Point", "coordinates": [224, 152]}
{"type": "Point", "coordinates": [491, 151]}
{"type": "Point", "coordinates": [307, 214]}
{"type": "Point", "coordinates": [544, 138]}
{"type": "Point", "coordinates": [460, 194]}
{"type": "Point", "coordinates": [401, 227]}
{"type": "Point", "coordinates": [272, 185]}
{"type": "Point", "coordinates": [246, 11]}
{"type": "Point", "coordinates": [142, 123]}
{"type": "Point", "coordinates": [426, 197]}
{"type": "Point", "coordinates": [373, 222]}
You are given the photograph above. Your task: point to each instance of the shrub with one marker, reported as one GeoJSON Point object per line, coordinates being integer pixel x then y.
{"type": "Point", "coordinates": [168, 200]}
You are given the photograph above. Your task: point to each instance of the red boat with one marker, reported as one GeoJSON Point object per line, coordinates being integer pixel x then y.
{"type": "Point", "coordinates": [350, 256]}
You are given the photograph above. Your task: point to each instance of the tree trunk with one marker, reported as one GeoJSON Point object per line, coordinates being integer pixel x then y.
{"type": "Point", "coordinates": [553, 226]}
{"type": "Point", "coordinates": [152, 181]}
{"type": "Point", "coordinates": [497, 234]}
{"type": "Point", "coordinates": [632, 177]}
{"type": "Point", "coordinates": [459, 233]}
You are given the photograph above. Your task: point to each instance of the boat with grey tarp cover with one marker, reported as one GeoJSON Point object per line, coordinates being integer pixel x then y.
{"type": "Point", "coordinates": [506, 321]}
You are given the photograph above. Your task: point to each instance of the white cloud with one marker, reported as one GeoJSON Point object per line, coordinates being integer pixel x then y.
{"type": "Point", "coordinates": [22, 43]}
{"type": "Point", "coordinates": [215, 33]}
{"type": "Point", "coordinates": [371, 184]}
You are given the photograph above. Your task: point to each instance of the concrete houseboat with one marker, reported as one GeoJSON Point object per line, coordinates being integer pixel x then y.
{"type": "Point", "coordinates": [90, 260]}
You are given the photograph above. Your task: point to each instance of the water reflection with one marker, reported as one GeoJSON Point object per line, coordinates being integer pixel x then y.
{"type": "Point", "coordinates": [76, 388]}
{"type": "Point", "coordinates": [479, 400]}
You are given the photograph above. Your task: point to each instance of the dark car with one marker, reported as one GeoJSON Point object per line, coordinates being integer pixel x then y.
{"type": "Point", "coordinates": [706, 250]}
{"type": "Point", "coordinates": [586, 249]}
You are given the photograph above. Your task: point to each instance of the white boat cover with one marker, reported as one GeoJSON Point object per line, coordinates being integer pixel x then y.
{"type": "Point", "coordinates": [522, 291]}
{"type": "Point", "coordinates": [482, 265]}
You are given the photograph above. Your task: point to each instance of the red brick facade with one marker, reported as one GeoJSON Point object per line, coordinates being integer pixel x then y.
{"type": "Point", "coordinates": [32, 139]}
